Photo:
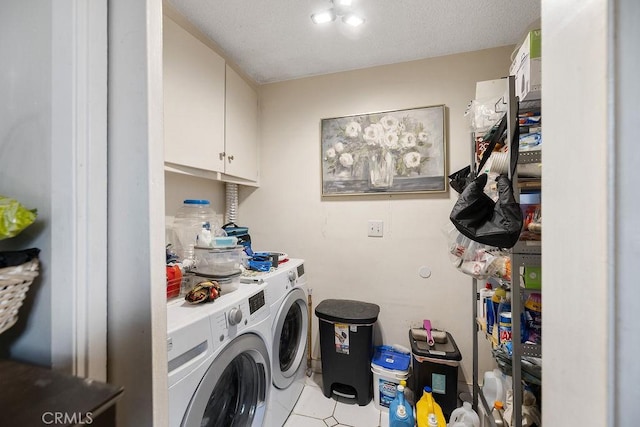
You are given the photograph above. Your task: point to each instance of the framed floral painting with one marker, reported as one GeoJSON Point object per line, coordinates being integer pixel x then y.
{"type": "Point", "coordinates": [401, 151]}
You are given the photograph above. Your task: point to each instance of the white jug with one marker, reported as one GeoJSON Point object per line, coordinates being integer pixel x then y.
{"type": "Point", "coordinates": [493, 387]}
{"type": "Point", "coordinates": [464, 416]}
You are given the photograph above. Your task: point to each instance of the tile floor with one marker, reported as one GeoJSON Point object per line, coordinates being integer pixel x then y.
{"type": "Point", "coordinates": [315, 410]}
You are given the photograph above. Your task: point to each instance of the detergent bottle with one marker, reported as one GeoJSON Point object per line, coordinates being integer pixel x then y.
{"type": "Point", "coordinates": [400, 412]}
{"type": "Point", "coordinates": [492, 309]}
{"type": "Point", "coordinates": [427, 408]}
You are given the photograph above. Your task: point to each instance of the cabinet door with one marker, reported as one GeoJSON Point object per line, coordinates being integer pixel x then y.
{"type": "Point", "coordinates": [194, 85]}
{"type": "Point", "coordinates": [241, 128]}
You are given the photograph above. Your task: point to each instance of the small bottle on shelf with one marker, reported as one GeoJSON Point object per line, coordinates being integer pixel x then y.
{"type": "Point", "coordinates": [485, 298]}
{"type": "Point", "coordinates": [504, 319]}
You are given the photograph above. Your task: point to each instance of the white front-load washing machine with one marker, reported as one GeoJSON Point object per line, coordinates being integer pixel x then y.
{"type": "Point", "coordinates": [287, 292]}
{"type": "Point", "coordinates": [219, 360]}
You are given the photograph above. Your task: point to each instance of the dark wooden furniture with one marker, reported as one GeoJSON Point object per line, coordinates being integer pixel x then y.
{"type": "Point", "coordinates": [36, 396]}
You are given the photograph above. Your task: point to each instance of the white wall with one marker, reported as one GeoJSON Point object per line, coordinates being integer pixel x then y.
{"type": "Point", "coordinates": [25, 160]}
{"type": "Point", "coordinates": [576, 197]}
{"type": "Point", "coordinates": [287, 213]}
{"type": "Point", "coordinates": [179, 187]}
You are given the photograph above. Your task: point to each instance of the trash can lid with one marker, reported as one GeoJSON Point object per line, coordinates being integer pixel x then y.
{"type": "Point", "coordinates": [347, 311]}
{"type": "Point", "coordinates": [445, 351]}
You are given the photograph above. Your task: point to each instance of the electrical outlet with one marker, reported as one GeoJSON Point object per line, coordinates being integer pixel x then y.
{"type": "Point", "coordinates": [375, 228]}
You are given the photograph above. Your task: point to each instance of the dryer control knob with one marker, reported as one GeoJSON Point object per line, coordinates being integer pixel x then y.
{"type": "Point", "coordinates": [292, 276]}
{"type": "Point", "coordinates": [235, 316]}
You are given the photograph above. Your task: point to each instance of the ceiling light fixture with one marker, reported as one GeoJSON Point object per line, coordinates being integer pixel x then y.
{"type": "Point", "coordinates": [353, 20]}
{"type": "Point", "coordinates": [323, 17]}
{"type": "Point", "coordinates": [340, 8]}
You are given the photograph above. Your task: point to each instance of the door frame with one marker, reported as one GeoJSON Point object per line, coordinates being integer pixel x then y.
{"type": "Point", "coordinates": [79, 188]}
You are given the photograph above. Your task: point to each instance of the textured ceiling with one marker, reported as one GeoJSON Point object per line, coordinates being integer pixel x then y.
{"type": "Point", "coordinates": [275, 40]}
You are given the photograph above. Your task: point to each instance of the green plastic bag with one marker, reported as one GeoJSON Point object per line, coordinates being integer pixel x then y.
{"type": "Point", "coordinates": [14, 217]}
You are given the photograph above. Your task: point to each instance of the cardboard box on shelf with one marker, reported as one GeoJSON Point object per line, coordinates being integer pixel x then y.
{"type": "Point", "coordinates": [526, 67]}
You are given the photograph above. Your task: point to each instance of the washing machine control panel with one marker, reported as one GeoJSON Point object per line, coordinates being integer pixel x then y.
{"type": "Point", "coordinates": [301, 270]}
{"type": "Point", "coordinates": [235, 319]}
{"type": "Point", "coordinates": [256, 302]}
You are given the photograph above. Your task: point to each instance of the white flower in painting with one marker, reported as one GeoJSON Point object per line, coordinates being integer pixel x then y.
{"type": "Point", "coordinates": [412, 159]}
{"type": "Point", "coordinates": [391, 140]}
{"type": "Point", "coordinates": [331, 153]}
{"type": "Point", "coordinates": [339, 147]}
{"type": "Point", "coordinates": [408, 140]}
{"type": "Point", "coordinates": [401, 128]}
{"type": "Point", "coordinates": [423, 136]}
{"type": "Point", "coordinates": [353, 129]}
{"type": "Point", "coordinates": [346, 160]}
{"type": "Point", "coordinates": [373, 134]}
{"type": "Point", "coordinates": [389, 123]}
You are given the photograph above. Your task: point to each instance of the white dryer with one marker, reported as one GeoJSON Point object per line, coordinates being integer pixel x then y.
{"type": "Point", "coordinates": [287, 295]}
{"type": "Point", "coordinates": [219, 360]}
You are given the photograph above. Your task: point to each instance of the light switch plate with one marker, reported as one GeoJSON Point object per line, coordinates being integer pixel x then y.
{"type": "Point", "coordinates": [375, 228]}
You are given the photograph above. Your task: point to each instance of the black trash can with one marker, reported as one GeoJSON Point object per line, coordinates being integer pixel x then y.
{"type": "Point", "coordinates": [346, 347]}
{"type": "Point", "coordinates": [436, 367]}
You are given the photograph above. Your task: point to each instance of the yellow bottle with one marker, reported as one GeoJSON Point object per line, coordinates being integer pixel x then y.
{"type": "Point", "coordinates": [427, 405]}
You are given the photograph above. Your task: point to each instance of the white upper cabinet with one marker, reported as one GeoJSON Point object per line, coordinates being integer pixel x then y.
{"type": "Point", "coordinates": [241, 130]}
{"type": "Point", "coordinates": [210, 112]}
{"type": "Point", "coordinates": [194, 86]}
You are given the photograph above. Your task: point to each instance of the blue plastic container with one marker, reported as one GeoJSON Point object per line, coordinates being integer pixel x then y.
{"type": "Point", "coordinates": [389, 366]}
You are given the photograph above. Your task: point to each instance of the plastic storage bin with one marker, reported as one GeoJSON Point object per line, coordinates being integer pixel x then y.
{"type": "Point", "coordinates": [389, 367]}
{"type": "Point", "coordinates": [228, 283]}
{"type": "Point", "coordinates": [188, 222]}
{"type": "Point", "coordinates": [437, 367]}
{"type": "Point", "coordinates": [346, 347]}
{"type": "Point", "coordinates": [216, 261]}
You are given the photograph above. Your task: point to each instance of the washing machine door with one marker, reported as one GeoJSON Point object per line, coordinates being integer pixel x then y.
{"type": "Point", "coordinates": [289, 338]}
{"type": "Point", "coordinates": [234, 390]}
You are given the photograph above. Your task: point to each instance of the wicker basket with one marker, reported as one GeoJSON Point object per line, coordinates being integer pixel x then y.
{"type": "Point", "coordinates": [14, 284]}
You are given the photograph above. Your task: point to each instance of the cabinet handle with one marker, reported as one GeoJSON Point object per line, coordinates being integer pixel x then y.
{"type": "Point", "coordinates": [221, 155]}
{"type": "Point", "coordinates": [230, 158]}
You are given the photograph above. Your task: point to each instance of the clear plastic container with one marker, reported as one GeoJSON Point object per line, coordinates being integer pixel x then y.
{"type": "Point", "coordinates": [216, 261]}
{"type": "Point", "coordinates": [189, 222]}
{"type": "Point", "coordinates": [227, 284]}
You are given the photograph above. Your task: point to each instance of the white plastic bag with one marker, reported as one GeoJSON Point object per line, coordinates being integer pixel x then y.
{"type": "Point", "coordinates": [476, 259]}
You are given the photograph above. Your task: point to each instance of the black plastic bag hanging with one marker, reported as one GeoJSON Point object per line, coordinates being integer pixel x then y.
{"type": "Point", "coordinates": [460, 179]}
{"type": "Point", "coordinates": [481, 219]}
